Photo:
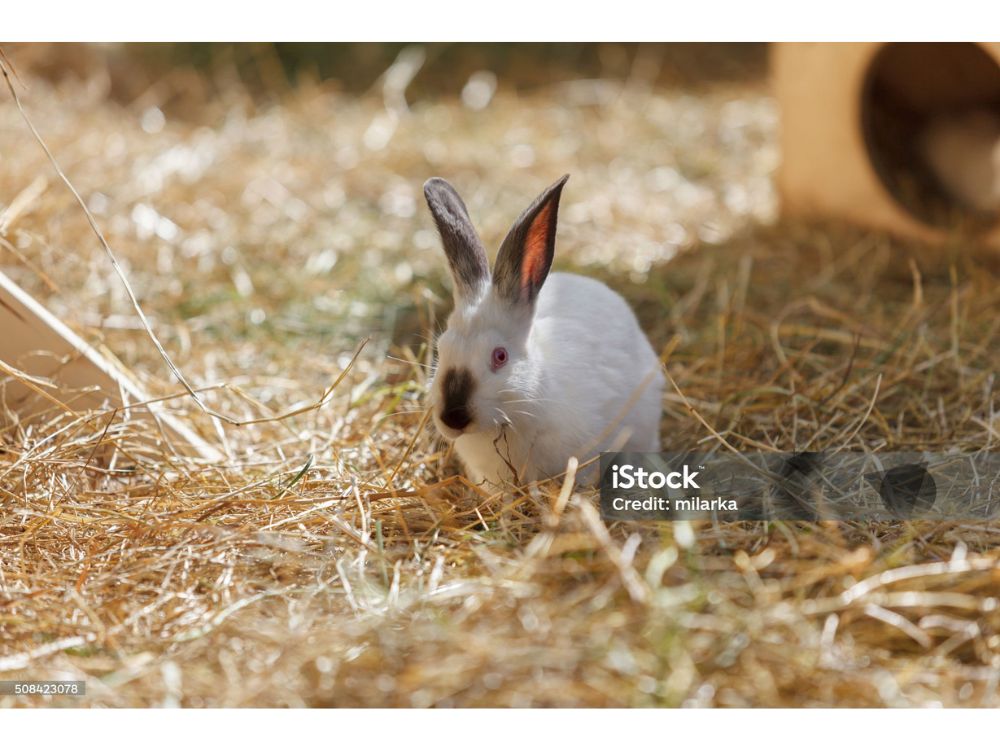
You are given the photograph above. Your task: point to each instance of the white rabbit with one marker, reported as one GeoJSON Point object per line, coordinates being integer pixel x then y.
{"type": "Point", "coordinates": [532, 371]}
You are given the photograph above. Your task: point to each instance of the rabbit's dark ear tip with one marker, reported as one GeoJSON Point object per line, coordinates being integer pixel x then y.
{"type": "Point", "coordinates": [435, 185]}
{"type": "Point", "coordinates": [556, 187]}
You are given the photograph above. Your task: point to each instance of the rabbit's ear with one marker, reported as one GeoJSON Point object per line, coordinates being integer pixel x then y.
{"type": "Point", "coordinates": [526, 253]}
{"type": "Point", "coordinates": [466, 254]}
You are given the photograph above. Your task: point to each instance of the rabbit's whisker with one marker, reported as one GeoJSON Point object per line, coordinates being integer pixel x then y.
{"type": "Point", "coordinates": [409, 362]}
{"type": "Point", "coordinates": [404, 411]}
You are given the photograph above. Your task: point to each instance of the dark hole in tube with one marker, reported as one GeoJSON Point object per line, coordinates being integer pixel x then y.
{"type": "Point", "coordinates": [930, 116]}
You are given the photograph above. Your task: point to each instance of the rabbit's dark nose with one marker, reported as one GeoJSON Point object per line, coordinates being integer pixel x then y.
{"type": "Point", "coordinates": [457, 418]}
{"type": "Point", "coordinates": [456, 388]}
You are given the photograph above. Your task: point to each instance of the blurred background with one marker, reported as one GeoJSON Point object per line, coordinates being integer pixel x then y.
{"type": "Point", "coordinates": [270, 193]}
{"type": "Point", "coordinates": [271, 68]}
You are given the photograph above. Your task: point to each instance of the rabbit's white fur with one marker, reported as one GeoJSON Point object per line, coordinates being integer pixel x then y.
{"type": "Point", "coordinates": [581, 377]}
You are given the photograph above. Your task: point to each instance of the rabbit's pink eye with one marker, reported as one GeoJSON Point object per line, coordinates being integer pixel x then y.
{"type": "Point", "coordinates": [499, 358]}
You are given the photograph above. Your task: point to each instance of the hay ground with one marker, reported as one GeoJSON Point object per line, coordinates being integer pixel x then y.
{"type": "Point", "coordinates": [335, 558]}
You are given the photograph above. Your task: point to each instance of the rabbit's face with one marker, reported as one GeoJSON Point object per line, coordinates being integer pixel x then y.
{"type": "Point", "coordinates": [483, 376]}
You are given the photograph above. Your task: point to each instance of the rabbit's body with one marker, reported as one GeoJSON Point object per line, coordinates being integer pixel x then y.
{"type": "Point", "coordinates": [595, 360]}
{"type": "Point", "coordinates": [535, 368]}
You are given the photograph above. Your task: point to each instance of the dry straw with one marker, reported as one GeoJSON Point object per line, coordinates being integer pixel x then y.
{"type": "Point", "coordinates": [336, 557]}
